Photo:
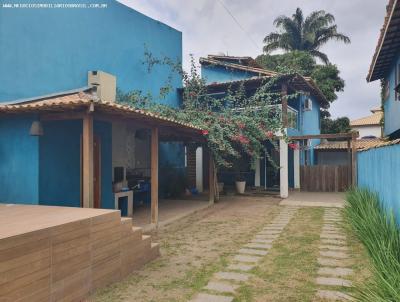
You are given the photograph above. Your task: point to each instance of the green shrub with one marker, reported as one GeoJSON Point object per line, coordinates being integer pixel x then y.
{"type": "Point", "coordinates": [376, 228]}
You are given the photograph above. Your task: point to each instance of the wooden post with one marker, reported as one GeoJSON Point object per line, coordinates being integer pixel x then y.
{"type": "Point", "coordinates": [154, 175]}
{"type": "Point", "coordinates": [87, 162]}
{"type": "Point", "coordinates": [211, 179]}
{"type": "Point", "coordinates": [284, 93]}
{"type": "Point", "coordinates": [354, 159]}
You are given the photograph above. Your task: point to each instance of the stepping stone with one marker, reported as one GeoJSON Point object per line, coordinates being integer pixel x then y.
{"type": "Point", "coordinates": [333, 254]}
{"type": "Point", "coordinates": [333, 236]}
{"type": "Point", "coordinates": [331, 295]}
{"type": "Point", "coordinates": [334, 248]}
{"type": "Point", "coordinates": [333, 281]}
{"type": "Point", "coordinates": [332, 229]}
{"type": "Point", "coordinates": [273, 228]}
{"type": "Point", "coordinates": [266, 236]}
{"type": "Point", "coordinates": [333, 241]}
{"type": "Point", "coordinates": [335, 271]}
{"type": "Point", "coordinates": [253, 252]}
{"type": "Point", "coordinates": [221, 287]}
{"type": "Point", "coordinates": [241, 267]}
{"type": "Point", "coordinates": [258, 246]}
{"type": "Point", "coordinates": [246, 258]}
{"type": "Point", "coordinates": [262, 241]}
{"type": "Point", "coordinates": [211, 298]}
{"type": "Point", "coordinates": [240, 277]}
{"type": "Point", "coordinates": [271, 232]}
{"type": "Point", "coordinates": [332, 262]}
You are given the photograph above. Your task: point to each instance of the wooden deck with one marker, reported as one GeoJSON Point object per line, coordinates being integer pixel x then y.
{"type": "Point", "coordinates": [59, 253]}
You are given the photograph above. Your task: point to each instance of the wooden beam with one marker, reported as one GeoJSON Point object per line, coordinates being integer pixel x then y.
{"type": "Point", "coordinates": [326, 136]}
{"type": "Point", "coordinates": [62, 116]}
{"type": "Point", "coordinates": [87, 162]}
{"type": "Point", "coordinates": [284, 100]}
{"type": "Point", "coordinates": [154, 175]}
{"type": "Point", "coordinates": [354, 159]}
{"type": "Point", "coordinates": [211, 179]}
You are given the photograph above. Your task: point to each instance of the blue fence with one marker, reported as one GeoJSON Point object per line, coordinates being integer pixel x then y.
{"type": "Point", "coordinates": [379, 171]}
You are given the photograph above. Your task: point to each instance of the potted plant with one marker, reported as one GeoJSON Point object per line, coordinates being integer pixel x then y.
{"type": "Point", "coordinates": [240, 183]}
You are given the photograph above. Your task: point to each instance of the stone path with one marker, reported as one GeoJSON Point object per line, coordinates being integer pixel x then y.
{"type": "Point", "coordinates": [222, 286]}
{"type": "Point", "coordinates": [334, 260]}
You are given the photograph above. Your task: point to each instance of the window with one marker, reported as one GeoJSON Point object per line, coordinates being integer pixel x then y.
{"type": "Point", "coordinates": [292, 118]}
{"type": "Point", "coordinates": [385, 89]}
{"type": "Point", "coordinates": [396, 81]}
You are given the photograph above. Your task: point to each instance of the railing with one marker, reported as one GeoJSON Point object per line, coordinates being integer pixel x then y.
{"type": "Point", "coordinates": [291, 112]}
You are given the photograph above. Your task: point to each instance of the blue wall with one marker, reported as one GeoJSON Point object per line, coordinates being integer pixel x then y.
{"type": "Point", "coordinates": [379, 171]}
{"type": "Point", "coordinates": [51, 50]}
{"type": "Point", "coordinates": [391, 106]}
{"type": "Point", "coordinates": [60, 155]}
{"type": "Point", "coordinates": [19, 164]}
{"type": "Point", "coordinates": [216, 74]}
{"type": "Point", "coordinates": [60, 167]}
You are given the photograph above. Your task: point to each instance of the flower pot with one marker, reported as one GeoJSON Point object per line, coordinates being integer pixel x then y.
{"type": "Point", "coordinates": [220, 187]}
{"type": "Point", "coordinates": [240, 186]}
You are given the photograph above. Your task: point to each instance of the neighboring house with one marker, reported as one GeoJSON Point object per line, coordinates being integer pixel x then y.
{"type": "Point", "coordinates": [49, 67]}
{"type": "Point", "coordinates": [385, 66]}
{"type": "Point", "coordinates": [303, 113]}
{"type": "Point", "coordinates": [338, 152]}
{"type": "Point", "coordinates": [369, 126]}
{"type": "Point", "coordinates": [379, 168]}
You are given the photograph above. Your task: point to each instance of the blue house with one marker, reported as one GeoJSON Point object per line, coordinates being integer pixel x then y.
{"type": "Point", "coordinates": [385, 66]}
{"type": "Point", "coordinates": [379, 167]}
{"type": "Point", "coordinates": [63, 139]}
{"type": "Point", "coordinates": [303, 116]}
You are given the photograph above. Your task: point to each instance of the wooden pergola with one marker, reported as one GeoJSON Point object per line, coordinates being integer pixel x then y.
{"type": "Point", "coordinates": [81, 106]}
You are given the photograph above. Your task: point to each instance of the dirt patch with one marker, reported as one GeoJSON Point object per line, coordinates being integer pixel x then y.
{"type": "Point", "coordinates": [193, 249]}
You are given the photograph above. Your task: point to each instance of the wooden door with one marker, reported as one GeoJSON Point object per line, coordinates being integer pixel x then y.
{"type": "Point", "coordinates": [322, 178]}
{"type": "Point", "coordinates": [96, 172]}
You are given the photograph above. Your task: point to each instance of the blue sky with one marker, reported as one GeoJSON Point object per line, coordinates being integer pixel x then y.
{"type": "Point", "coordinates": [208, 29]}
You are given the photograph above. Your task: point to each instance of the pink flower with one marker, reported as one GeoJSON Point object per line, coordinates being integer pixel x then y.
{"type": "Point", "coordinates": [241, 125]}
{"type": "Point", "coordinates": [269, 134]}
{"type": "Point", "coordinates": [293, 146]}
{"type": "Point", "coordinates": [204, 132]}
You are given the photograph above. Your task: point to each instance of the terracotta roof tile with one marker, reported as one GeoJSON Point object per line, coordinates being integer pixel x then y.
{"type": "Point", "coordinates": [372, 120]}
{"type": "Point", "coordinates": [342, 145]}
{"type": "Point", "coordinates": [83, 99]}
{"type": "Point", "coordinates": [261, 72]}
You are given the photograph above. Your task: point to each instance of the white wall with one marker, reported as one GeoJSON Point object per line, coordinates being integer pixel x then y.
{"type": "Point", "coordinates": [368, 130]}
{"type": "Point", "coordinates": [127, 151]}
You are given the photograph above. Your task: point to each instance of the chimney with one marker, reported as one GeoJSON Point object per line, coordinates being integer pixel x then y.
{"type": "Point", "coordinates": [104, 84]}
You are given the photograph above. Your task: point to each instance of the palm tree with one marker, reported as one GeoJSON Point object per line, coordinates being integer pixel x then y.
{"type": "Point", "coordinates": [304, 35]}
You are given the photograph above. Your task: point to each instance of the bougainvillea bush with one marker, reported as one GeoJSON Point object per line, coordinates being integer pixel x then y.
{"type": "Point", "coordinates": [234, 124]}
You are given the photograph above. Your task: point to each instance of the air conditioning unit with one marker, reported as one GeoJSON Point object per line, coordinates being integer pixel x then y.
{"type": "Point", "coordinates": [103, 84]}
{"type": "Point", "coordinates": [307, 104]}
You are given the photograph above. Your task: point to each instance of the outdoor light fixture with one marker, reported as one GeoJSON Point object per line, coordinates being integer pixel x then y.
{"type": "Point", "coordinates": [36, 129]}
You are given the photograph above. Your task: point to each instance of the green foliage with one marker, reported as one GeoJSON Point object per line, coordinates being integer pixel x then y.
{"type": "Point", "coordinates": [234, 124]}
{"type": "Point", "coordinates": [376, 228]}
{"type": "Point", "coordinates": [339, 125]}
{"type": "Point", "coordinates": [325, 76]}
{"type": "Point", "coordinates": [298, 61]}
{"type": "Point", "coordinates": [328, 80]}
{"type": "Point", "coordinates": [305, 34]}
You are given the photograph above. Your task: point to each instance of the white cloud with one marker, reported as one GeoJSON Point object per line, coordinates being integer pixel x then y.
{"type": "Point", "coordinates": [207, 28]}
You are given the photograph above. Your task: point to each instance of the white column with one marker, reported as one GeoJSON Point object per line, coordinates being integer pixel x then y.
{"type": "Point", "coordinates": [296, 159]}
{"type": "Point", "coordinates": [284, 168]}
{"type": "Point", "coordinates": [257, 174]}
{"type": "Point", "coordinates": [199, 169]}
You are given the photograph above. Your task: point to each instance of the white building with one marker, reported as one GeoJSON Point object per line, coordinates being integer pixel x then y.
{"type": "Point", "coordinates": [369, 126]}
